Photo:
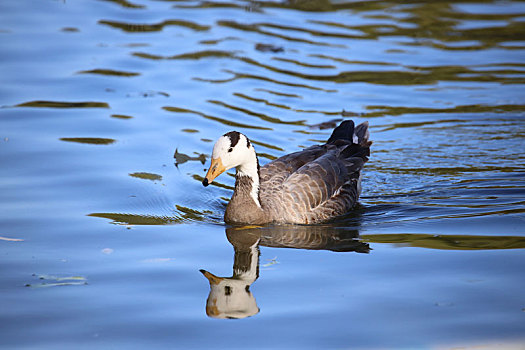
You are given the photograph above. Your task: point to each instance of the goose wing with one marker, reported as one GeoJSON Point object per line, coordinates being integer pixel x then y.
{"type": "Point", "coordinates": [324, 188]}
{"type": "Point", "coordinates": [273, 174]}
{"type": "Point", "coordinates": [319, 182]}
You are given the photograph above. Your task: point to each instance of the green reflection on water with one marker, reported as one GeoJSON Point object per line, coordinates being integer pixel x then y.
{"type": "Point", "coordinates": [89, 140]}
{"type": "Point", "coordinates": [256, 114]}
{"type": "Point", "coordinates": [417, 75]}
{"type": "Point", "coordinates": [255, 28]}
{"type": "Point", "coordinates": [126, 4]}
{"type": "Point", "coordinates": [187, 56]}
{"type": "Point", "coordinates": [146, 176]}
{"type": "Point", "coordinates": [202, 54]}
{"type": "Point", "coordinates": [137, 219]}
{"type": "Point", "coordinates": [276, 120]}
{"type": "Point", "coordinates": [431, 23]}
{"type": "Point", "coordinates": [450, 242]}
{"type": "Point", "coordinates": [110, 72]}
{"type": "Point", "coordinates": [453, 170]}
{"type": "Point", "coordinates": [303, 64]}
{"type": "Point", "coordinates": [278, 93]}
{"type": "Point", "coordinates": [142, 28]}
{"type": "Point", "coordinates": [302, 5]}
{"type": "Point", "coordinates": [59, 104]}
{"type": "Point", "coordinates": [394, 111]}
{"type": "Point", "coordinates": [237, 75]}
{"type": "Point", "coordinates": [121, 116]}
{"type": "Point", "coordinates": [217, 119]}
{"type": "Point", "coordinates": [405, 75]}
{"type": "Point", "coordinates": [261, 100]}
{"type": "Point", "coordinates": [181, 215]}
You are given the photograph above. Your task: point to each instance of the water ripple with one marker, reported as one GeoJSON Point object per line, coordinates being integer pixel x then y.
{"type": "Point", "coordinates": [439, 83]}
{"type": "Point", "coordinates": [156, 27]}
{"type": "Point", "coordinates": [217, 119]}
{"type": "Point", "coordinates": [61, 104]}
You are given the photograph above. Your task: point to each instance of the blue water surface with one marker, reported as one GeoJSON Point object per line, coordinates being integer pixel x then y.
{"type": "Point", "coordinates": [108, 114]}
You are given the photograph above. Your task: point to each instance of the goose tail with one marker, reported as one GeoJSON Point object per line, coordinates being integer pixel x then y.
{"type": "Point", "coordinates": [349, 132]}
{"type": "Point", "coordinates": [361, 135]}
{"type": "Point", "coordinates": [344, 131]}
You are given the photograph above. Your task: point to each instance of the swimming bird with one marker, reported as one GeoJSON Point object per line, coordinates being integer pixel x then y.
{"type": "Point", "coordinates": [310, 186]}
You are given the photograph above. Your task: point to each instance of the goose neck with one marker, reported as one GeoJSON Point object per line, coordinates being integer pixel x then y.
{"type": "Point", "coordinates": [247, 179]}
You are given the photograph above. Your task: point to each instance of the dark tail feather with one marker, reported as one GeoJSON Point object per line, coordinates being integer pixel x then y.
{"type": "Point", "coordinates": [362, 134]}
{"type": "Point", "coordinates": [359, 146]}
{"type": "Point", "coordinates": [349, 132]}
{"type": "Point", "coordinates": [344, 131]}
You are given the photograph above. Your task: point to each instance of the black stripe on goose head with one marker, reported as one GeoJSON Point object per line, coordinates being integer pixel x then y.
{"type": "Point", "coordinates": [234, 137]}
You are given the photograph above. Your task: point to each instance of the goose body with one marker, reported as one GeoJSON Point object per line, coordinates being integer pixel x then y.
{"type": "Point", "coordinates": [310, 186]}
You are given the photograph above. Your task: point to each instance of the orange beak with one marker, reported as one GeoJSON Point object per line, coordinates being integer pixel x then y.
{"type": "Point", "coordinates": [216, 168]}
{"type": "Point", "coordinates": [211, 277]}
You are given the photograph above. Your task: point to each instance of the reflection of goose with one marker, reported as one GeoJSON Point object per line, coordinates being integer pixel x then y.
{"type": "Point", "coordinates": [309, 186]}
{"type": "Point", "coordinates": [315, 237]}
{"type": "Point", "coordinates": [230, 297]}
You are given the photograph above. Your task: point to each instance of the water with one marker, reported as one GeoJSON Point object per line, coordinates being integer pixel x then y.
{"type": "Point", "coordinates": [103, 232]}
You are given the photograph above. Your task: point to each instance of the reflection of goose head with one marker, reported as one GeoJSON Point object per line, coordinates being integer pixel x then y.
{"type": "Point", "coordinates": [230, 297]}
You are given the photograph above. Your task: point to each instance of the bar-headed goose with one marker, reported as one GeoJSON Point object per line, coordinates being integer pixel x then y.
{"type": "Point", "coordinates": [305, 187]}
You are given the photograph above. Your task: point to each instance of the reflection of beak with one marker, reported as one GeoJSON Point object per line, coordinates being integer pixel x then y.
{"type": "Point", "coordinates": [211, 277]}
{"type": "Point", "coordinates": [216, 168]}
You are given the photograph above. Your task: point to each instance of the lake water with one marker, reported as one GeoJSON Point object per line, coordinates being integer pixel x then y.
{"type": "Point", "coordinates": [109, 111]}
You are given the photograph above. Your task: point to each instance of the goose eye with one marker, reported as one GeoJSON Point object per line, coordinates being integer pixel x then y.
{"type": "Point", "coordinates": [230, 149]}
{"type": "Point", "coordinates": [227, 290]}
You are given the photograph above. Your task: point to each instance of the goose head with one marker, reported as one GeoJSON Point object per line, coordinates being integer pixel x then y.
{"type": "Point", "coordinates": [232, 150]}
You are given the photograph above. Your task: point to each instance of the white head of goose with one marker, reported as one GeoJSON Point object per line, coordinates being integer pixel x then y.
{"type": "Point", "coordinates": [310, 186]}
